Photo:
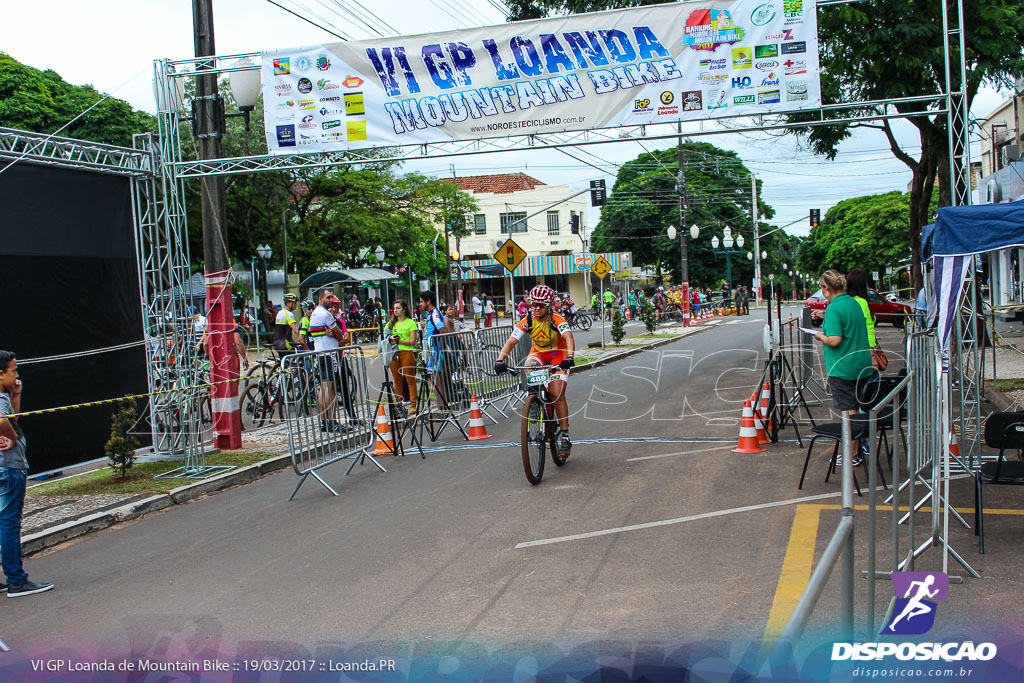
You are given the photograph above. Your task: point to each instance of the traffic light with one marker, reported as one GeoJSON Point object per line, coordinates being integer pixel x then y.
{"type": "Point", "coordinates": [574, 223]}
{"type": "Point", "coordinates": [815, 217]}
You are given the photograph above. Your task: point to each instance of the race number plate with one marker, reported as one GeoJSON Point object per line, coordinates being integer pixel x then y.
{"type": "Point", "coordinates": [536, 377]}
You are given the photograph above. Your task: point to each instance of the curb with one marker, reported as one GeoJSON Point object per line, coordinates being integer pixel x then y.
{"type": "Point", "coordinates": [40, 541]}
{"type": "Point", "coordinates": [48, 538]}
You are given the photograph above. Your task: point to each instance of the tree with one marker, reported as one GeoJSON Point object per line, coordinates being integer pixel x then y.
{"type": "Point", "coordinates": [42, 102]}
{"type": "Point", "coordinates": [618, 327]}
{"type": "Point", "coordinates": [644, 201]}
{"type": "Point", "coordinates": [647, 315]}
{"type": "Point", "coordinates": [869, 232]}
{"type": "Point", "coordinates": [893, 49]}
{"type": "Point", "coordinates": [120, 449]}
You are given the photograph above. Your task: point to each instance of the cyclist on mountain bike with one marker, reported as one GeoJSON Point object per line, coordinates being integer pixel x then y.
{"type": "Point", "coordinates": [552, 345]}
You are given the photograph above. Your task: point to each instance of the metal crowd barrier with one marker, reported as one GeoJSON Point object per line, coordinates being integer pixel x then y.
{"type": "Point", "coordinates": [328, 411]}
{"type": "Point", "coordinates": [451, 377]}
{"type": "Point", "coordinates": [494, 387]}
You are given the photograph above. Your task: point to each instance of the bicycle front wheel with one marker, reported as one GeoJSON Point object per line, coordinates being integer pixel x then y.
{"type": "Point", "coordinates": [254, 407]}
{"type": "Point", "coordinates": [534, 439]}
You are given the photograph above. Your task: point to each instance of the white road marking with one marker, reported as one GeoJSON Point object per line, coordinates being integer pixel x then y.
{"type": "Point", "coordinates": [676, 520]}
{"type": "Point", "coordinates": [669, 455]}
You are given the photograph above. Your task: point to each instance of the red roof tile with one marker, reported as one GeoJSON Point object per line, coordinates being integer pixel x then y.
{"type": "Point", "coordinates": [497, 184]}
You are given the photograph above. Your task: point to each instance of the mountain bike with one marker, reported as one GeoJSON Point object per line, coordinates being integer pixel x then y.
{"type": "Point", "coordinates": [262, 399]}
{"type": "Point", "coordinates": [539, 424]}
{"type": "Point", "coordinates": [580, 321]}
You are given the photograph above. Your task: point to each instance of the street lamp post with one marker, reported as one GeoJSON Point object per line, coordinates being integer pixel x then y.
{"type": "Point", "coordinates": [727, 242]}
{"type": "Point", "coordinates": [379, 253]}
{"type": "Point", "coordinates": [685, 266]}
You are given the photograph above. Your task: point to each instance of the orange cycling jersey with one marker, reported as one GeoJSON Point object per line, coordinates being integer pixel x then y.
{"type": "Point", "coordinates": [547, 335]}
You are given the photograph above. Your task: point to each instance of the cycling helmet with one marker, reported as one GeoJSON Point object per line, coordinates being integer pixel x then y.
{"type": "Point", "coordinates": [541, 294]}
{"type": "Point", "coordinates": [290, 297]}
{"type": "Point", "coordinates": [308, 305]}
{"type": "Point", "coordinates": [192, 310]}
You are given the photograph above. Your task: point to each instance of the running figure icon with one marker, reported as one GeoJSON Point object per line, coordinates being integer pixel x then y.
{"type": "Point", "coordinates": [915, 607]}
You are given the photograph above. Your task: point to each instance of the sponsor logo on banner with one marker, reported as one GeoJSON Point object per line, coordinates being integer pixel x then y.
{"type": "Point", "coordinates": [692, 100]}
{"type": "Point", "coordinates": [713, 64]}
{"type": "Point", "coordinates": [307, 104]}
{"type": "Point", "coordinates": [356, 130]}
{"type": "Point", "coordinates": [330, 111]}
{"type": "Point", "coordinates": [771, 79]}
{"type": "Point", "coordinates": [303, 63]}
{"type": "Point", "coordinates": [282, 66]}
{"type": "Point", "coordinates": [793, 10]}
{"type": "Point", "coordinates": [327, 125]}
{"type": "Point", "coordinates": [742, 82]}
{"type": "Point", "coordinates": [794, 67]}
{"type": "Point", "coordinates": [768, 96]}
{"type": "Point", "coordinates": [707, 29]}
{"type": "Point", "coordinates": [324, 84]}
{"type": "Point", "coordinates": [286, 136]}
{"type": "Point", "coordinates": [765, 51]}
{"type": "Point", "coordinates": [742, 57]}
{"type": "Point", "coordinates": [336, 98]}
{"type": "Point", "coordinates": [323, 62]}
{"type": "Point", "coordinates": [913, 613]}
{"type": "Point", "coordinates": [641, 105]}
{"type": "Point", "coordinates": [308, 139]}
{"type": "Point", "coordinates": [333, 137]}
{"type": "Point", "coordinates": [794, 48]}
{"type": "Point", "coordinates": [711, 79]}
{"type": "Point", "coordinates": [305, 85]}
{"type": "Point", "coordinates": [718, 98]}
{"type": "Point", "coordinates": [287, 105]}
{"type": "Point", "coordinates": [354, 105]}
{"type": "Point", "coordinates": [352, 82]}
{"type": "Point", "coordinates": [762, 14]}
{"type": "Point", "coordinates": [668, 111]}
{"type": "Point", "coordinates": [667, 97]}
{"type": "Point", "coordinates": [307, 118]}
{"type": "Point", "coordinates": [796, 91]}
{"type": "Point", "coordinates": [787, 34]}
{"type": "Point", "coordinates": [766, 65]}
{"type": "Point", "coordinates": [743, 99]}
{"type": "Point", "coordinates": [283, 89]}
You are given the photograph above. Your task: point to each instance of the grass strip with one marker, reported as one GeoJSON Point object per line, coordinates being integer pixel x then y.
{"type": "Point", "coordinates": [140, 478]}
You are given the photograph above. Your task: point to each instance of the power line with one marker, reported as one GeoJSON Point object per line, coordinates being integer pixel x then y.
{"type": "Point", "coordinates": [307, 20]}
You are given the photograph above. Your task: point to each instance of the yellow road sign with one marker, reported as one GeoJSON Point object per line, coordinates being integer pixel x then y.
{"type": "Point", "coordinates": [510, 255]}
{"type": "Point", "coordinates": [601, 267]}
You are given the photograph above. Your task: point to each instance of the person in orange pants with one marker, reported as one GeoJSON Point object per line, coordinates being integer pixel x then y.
{"type": "Point", "coordinates": [403, 331]}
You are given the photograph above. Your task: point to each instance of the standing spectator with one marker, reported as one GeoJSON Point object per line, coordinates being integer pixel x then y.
{"type": "Point", "coordinates": [609, 300]}
{"type": "Point", "coordinates": [846, 351]}
{"type": "Point", "coordinates": [488, 311]}
{"type": "Point", "coordinates": [13, 477]}
{"type": "Point", "coordinates": [286, 327]}
{"type": "Point", "coordinates": [369, 313]}
{"type": "Point", "coordinates": [595, 302]}
{"type": "Point", "coordinates": [327, 336]}
{"type": "Point", "coordinates": [457, 323]}
{"type": "Point", "coordinates": [307, 310]}
{"type": "Point", "coordinates": [334, 306]}
{"type": "Point", "coordinates": [434, 323]}
{"type": "Point", "coordinates": [199, 325]}
{"type": "Point", "coordinates": [632, 305]}
{"type": "Point", "coordinates": [478, 310]}
{"type": "Point", "coordinates": [353, 311]}
{"type": "Point", "coordinates": [403, 331]}
{"type": "Point", "coordinates": [521, 308]}
{"type": "Point", "coordinates": [269, 315]}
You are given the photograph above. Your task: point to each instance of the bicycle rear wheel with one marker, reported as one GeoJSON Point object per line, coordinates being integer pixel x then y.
{"type": "Point", "coordinates": [534, 439]}
{"type": "Point", "coordinates": [254, 407]}
{"type": "Point", "coordinates": [585, 322]}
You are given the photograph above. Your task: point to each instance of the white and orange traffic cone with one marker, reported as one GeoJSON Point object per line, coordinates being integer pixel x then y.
{"type": "Point", "coordinates": [762, 435]}
{"type": "Point", "coordinates": [477, 430]}
{"type": "Point", "coordinates": [766, 399]}
{"type": "Point", "coordinates": [753, 404]}
{"type": "Point", "coordinates": [385, 441]}
{"type": "Point", "coordinates": [748, 433]}
{"type": "Point", "coordinates": [954, 447]}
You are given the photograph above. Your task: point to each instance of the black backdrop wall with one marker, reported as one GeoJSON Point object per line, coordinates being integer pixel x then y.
{"type": "Point", "coordinates": [69, 282]}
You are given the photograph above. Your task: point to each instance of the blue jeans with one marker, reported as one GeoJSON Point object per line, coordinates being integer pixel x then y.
{"type": "Point", "coordinates": [12, 500]}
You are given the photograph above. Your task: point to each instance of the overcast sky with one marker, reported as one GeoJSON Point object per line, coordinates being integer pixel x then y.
{"type": "Point", "coordinates": [111, 44]}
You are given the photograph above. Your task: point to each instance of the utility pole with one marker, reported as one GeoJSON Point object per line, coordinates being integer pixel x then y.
{"type": "Point", "coordinates": [757, 239]}
{"type": "Point", "coordinates": [685, 266]}
{"type": "Point", "coordinates": [227, 426]}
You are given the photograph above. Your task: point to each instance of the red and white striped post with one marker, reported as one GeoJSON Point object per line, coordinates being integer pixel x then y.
{"type": "Point", "coordinates": [227, 421]}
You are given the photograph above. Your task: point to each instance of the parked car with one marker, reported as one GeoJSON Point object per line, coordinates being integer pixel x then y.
{"type": "Point", "coordinates": [893, 312]}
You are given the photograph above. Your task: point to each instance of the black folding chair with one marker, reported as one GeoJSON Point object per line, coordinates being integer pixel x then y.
{"type": "Point", "coordinates": [1003, 431]}
{"type": "Point", "coordinates": [833, 431]}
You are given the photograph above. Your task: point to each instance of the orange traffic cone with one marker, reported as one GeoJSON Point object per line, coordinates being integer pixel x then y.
{"type": "Point", "coordinates": [385, 442]}
{"type": "Point", "coordinates": [766, 398]}
{"type": "Point", "coordinates": [762, 435]}
{"type": "Point", "coordinates": [954, 447]}
{"type": "Point", "coordinates": [477, 430]}
{"type": "Point", "coordinates": [753, 404]}
{"type": "Point", "coordinates": [748, 433]}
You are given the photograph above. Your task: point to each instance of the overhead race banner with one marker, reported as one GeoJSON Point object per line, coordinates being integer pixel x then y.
{"type": "Point", "coordinates": [658, 64]}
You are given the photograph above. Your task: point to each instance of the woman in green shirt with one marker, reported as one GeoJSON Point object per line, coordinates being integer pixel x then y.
{"type": "Point", "coordinates": [402, 329]}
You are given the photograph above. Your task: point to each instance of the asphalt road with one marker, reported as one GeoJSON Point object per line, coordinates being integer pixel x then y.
{"type": "Point", "coordinates": [660, 542]}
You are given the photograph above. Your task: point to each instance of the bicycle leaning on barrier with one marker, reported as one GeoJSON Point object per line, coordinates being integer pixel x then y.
{"type": "Point", "coordinates": [552, 345]}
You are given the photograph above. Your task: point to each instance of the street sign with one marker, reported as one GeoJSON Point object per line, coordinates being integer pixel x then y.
{"type": "Point", "coordinates": [888, 270]}
{"type": "Point", "coordinates": [598, 195]}
{"type": "Point", "coordinates": [874, 275]}
{"type": "Point", "coordinates": [601, 267]}
{"type": "Point", "coordinates": [583, 262]}
{"type": "Point", "coordinates": [772, 276]}
{"type": "Point", "coordinates": [510, 255]}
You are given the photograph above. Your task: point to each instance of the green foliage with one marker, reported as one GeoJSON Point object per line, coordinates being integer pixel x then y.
{"type": "Point", "coordinates": [647, 316]}
{"type": "Point", "coordinates": [121, 447]}
{"type": "Point", "coordinates": [869, 232]}
{"type": "Point", "coordinates": [644, 202]}
{"type": "Point", "coordinates": [42, 102]}
{"type": "Point", "coordinates": [618, 327]}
